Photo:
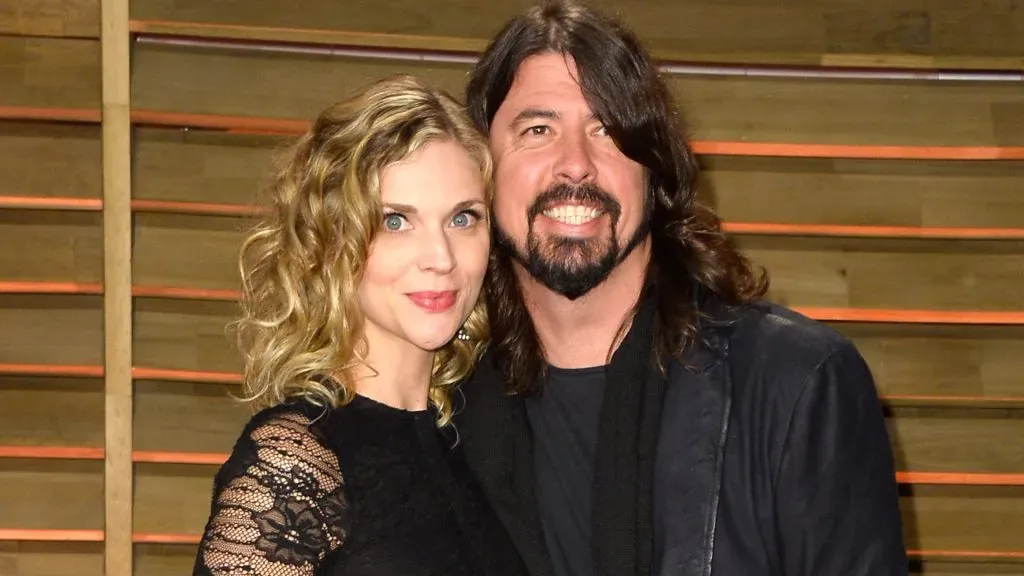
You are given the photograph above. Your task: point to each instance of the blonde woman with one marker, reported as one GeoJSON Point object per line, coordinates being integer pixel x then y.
{"type": "Point", "coordinates": [362, 307]}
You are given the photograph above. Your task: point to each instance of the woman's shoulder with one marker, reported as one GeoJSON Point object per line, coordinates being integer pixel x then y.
{"type": "Point", "coordinates": [284, 437]}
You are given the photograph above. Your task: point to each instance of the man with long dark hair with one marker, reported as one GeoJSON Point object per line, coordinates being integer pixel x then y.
{"type": "Point", "coordinates": [642, 409]}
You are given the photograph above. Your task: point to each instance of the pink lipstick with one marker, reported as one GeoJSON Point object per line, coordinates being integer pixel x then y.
{"type": "Point", "coordinates": [433, 301]}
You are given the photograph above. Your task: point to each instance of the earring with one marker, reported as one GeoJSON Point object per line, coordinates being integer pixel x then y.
{"type": "Point", "coordinates": [462, 334]}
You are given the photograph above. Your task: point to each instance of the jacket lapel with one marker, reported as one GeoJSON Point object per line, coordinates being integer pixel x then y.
{"type": "Point", "coordinates": [498, 447]}
{"type": "Point", "coordinates": [688, 464]}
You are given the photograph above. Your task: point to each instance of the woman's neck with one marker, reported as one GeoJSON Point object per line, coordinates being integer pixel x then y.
{"type": "Point", "coordinates": [396, 373]}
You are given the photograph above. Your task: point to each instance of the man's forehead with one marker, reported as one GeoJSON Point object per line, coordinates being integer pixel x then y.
{"type": "Point", "coordinates": [544, 84]}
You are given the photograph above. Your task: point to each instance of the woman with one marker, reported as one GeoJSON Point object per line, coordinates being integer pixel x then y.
{"type": "Point", "coordinates": [361, 301]}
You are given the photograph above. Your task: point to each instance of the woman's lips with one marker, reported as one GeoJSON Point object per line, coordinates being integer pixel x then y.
{"type": "Point", "coordinates": [434, 301]}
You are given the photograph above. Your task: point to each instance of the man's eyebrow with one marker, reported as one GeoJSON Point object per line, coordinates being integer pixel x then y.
{"type": "Point", "coordinates": [534, 114]}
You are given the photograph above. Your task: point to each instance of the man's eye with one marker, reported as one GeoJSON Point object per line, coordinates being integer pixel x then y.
{"type": "Point", "coordinates": [536, 130]}
{"type": "Point", "coordinates": [393, 222]}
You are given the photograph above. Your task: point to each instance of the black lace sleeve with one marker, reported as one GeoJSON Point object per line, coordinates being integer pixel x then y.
{"type": "Point", "coordinates": [278, 504]}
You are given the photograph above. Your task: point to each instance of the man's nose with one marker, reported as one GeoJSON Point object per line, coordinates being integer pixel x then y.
{"type": "Point", "coordinates": [575, 162]}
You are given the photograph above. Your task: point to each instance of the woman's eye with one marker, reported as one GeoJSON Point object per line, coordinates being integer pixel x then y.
{"type": "Point", "coordinates": [465, 219]}
{"type": "Point", "coordinates": [394, 222]}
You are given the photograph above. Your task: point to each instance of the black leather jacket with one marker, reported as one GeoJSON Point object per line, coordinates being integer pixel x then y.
{"type": "Point", "coordinates": [773, 458]}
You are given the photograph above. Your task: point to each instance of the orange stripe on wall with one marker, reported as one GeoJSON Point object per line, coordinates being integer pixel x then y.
{"type": "Point", "coordinates": [50, 203]}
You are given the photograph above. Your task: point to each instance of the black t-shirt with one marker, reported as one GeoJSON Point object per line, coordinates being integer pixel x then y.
{"type": "Point", "coordinates": [564, 421]}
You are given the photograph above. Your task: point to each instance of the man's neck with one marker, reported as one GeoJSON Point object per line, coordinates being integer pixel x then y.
{"type": "Point", "coordinates": [585, 332]}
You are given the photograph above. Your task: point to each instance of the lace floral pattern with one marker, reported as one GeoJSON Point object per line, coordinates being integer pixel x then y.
{"type": "Point", "coordinates": [279, 506]}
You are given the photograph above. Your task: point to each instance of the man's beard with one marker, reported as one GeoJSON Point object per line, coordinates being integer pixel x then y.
{"type": "Point", "coordinates": [573, 267]}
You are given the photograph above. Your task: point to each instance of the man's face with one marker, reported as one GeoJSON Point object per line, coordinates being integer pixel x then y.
{"type": "Point", "coordinates": [568, 205]}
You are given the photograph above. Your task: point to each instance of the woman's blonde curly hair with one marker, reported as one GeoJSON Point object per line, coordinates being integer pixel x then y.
{"type": "Point", "coordinates": [301, 328]}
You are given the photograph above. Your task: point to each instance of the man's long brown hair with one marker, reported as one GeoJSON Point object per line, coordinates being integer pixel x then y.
{"type": "Point", "coordinates": [693, 263]}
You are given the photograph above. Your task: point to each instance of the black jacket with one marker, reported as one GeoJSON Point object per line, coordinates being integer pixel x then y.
{"type": "Point", "coordinates": [773, 457]}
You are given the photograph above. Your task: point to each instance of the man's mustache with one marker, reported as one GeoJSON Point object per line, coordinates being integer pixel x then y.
{"type": "Point", "coordinates": [586, 194]}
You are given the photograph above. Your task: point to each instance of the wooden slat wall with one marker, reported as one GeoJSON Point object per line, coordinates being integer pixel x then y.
{"type": "Point", "coordinates": [895, 214]}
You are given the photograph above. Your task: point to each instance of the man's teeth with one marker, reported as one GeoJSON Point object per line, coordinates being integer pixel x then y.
{"type": "Point", "coordinates": [574, 215]}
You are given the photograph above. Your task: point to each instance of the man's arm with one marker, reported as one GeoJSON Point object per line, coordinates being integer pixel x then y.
{"type": "Point", "coordinates": [837, 498]}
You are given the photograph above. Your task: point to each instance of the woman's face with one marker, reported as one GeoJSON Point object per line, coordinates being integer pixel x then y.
{"type": "Point", "coordinates": [428, 260]}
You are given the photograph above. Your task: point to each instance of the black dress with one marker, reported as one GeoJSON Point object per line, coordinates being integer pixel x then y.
{"type": "Point", "coordinates": [359, 490]}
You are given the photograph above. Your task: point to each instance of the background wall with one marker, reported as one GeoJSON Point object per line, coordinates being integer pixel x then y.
{"type": "Point", "coordinates": [888, 202]}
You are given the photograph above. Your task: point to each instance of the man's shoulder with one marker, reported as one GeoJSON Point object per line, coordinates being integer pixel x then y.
{"type": "Point", "coordinates": [765, 331]}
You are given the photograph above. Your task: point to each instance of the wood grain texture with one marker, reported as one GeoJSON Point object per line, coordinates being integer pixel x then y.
{"type": "Point", "coordinates": [173, 498]}
{"type": "Point", "coordinates": [72, 18]}
{"type": "Point", "coordinates": [49, 160]}
{"type": "Point", "coordinates": [889, 273]}
{"type": "Point", "coordinates": [734, 108]}
{"type": "Point", "coordinates": [202, 167]}
{"type": "Point", "coordinates": [45, 329]}
{"type": "Point", "coordinates": [51, 558]}
{"type": "Point", "coordinates": [865, 192]}
{"type": "Point", "coordinates": [911, 32]}
{"type": "Point", "coordinates": [940, 567]}
{"type": "Point", "coordinates": [964, 518]}
{"type": "Point", "coordinates": [40, 411]}
{"type": "Point", "coordinates": [49, 72]}
{"type": "Point", "coordinates": [979, 361]}
{"type": "Point", "coordinates": [185, 335]}
{"type": "Point", "coordinates": [949, 439]}
{"type": "Point", "coordinates": [183, 417]}
{"type": "Point", "coordinates": [164, 560]}
{"type": "Point", "coordinates": [56, 246]}
{"type": "Point", "coordinates": [185, 250]}
{"type": "Point", "coordinates": [55, 494]}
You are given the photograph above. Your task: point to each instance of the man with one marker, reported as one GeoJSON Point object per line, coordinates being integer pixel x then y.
{"type": "Point", "coordinates": [641, 410]}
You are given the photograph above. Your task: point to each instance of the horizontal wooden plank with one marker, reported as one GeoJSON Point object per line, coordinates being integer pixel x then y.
{"type": "Point", "coordinates": [873, 112]}
{"type": "Point", "coordinates": [50, 72]}
{"type": "Point", "coordinates": [50, 160]}
{"type": "Point", "coordinates": [732, 109]}
{"type": "Point", "coordinates": [29, 558]}
{"type": "Point", "coordinates": [936, 34]}
{"type": "Point", "coordinates": [51, 329]}
{"type": "Point", "coordinates": [185, 335]}
{"type": "Point", "coordinates": [952, 519]}
{"type": "Point", "coordinates": [165, 559]}
{"type": "Point", "coordinates": [891, 273]}
{"type": "Point", "coordinates": [72, 18]}
{"type": "Point", "coordinates": [193, 251]}
{"type": "Point", "coordinates": [172, 498]}
{"type": "Point", "coordinates": [51, 494]}
{"type": "Point", "coordinates": [945, 440]}
{"type": "Point", "coordinates": [48, 411]}
{"type": "Point", "coordinates": [57, 246]}
{"type": "Point", "coordinates": [864, 192]}
{"type": "Point", "coordinates": [939, 566]}
{"type": "Point", "coordinates": [185, 417]}
{"type": "Point", "coordinates": [197, 166]}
